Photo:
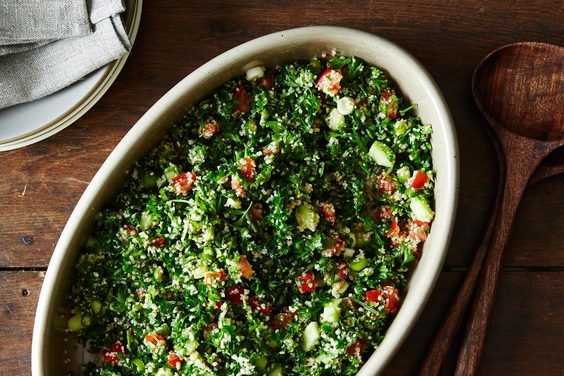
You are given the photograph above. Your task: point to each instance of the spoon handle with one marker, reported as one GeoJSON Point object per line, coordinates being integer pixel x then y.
{"type": "Point", "coordinates": [518, 169]}
{"type": "Point", "coordinates": [444, 337]}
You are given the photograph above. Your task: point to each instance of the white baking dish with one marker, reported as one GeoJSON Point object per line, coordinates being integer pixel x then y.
{"type": "Point", "coordinates": [49, 345]}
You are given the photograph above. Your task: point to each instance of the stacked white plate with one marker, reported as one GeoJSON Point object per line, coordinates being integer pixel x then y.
{"type": "Point", "coordinates": [31, 122]}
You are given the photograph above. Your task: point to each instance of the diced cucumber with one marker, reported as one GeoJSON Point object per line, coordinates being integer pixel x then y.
{"type": "Point", "coordinates": [199, 272]}
{"type": "Point", "coordinates": [276, 372]}
{"type": "Point", "coordinates": [147, 220]}
{"type": "Point", "coordinates": [382, 154]}
{"type": "Point", "coordinates": [335, 120]}
{"type": "Point", "coordinates": [403, 174]}
{"type": "Point", "coordinates": [420, 209]}
{"type": "Point", "coordinates": [96, 306]}
{"type": "Point", "coordinates": [307, 217]}
{"type": "Point", "coordinates": [163, 330]}
{"type": "Point", "coordinates": [358, 265]}
{"type": "Point", "coordinates": [348, 253]}
{"type": "Point", "coordinates": [345, 105]}
{"type": "Point", "coordinates": [331, 311]}
{"type": "Point", "coordinates": [170, 172]}
{"type": "Point", "coordinates": [190, 347]}
{"type": "Point", "coordinates": [149, 181]}
{"type": "Point", "coordinates": [311, 336]}
{"type": "Point", "coordinates": [255, 73]}
{"type": "Point", "coordinates": [261, 362]}
{"type": "Point", "coordinates": [75, 323]}
{"type": "Point", "coordinates": [139, 364]}
{"type": "Point", "coordinates": [400, 127]}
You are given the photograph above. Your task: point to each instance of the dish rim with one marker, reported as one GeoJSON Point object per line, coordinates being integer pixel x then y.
{"type": "Point", "coordinates": [410, 311]}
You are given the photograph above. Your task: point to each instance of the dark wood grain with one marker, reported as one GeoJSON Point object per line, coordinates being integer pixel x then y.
{"type": "Point", "coordinates": [177, 36]}
{"type": "Point", "coordinates": [520, 91]}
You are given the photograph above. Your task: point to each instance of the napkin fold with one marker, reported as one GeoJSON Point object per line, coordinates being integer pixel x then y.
{"type": "Point", "coordinates": [38, 67]}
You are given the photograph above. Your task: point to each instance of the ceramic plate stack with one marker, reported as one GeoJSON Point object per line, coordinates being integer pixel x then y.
{"type": "Point", "coordinates": [31, 122]}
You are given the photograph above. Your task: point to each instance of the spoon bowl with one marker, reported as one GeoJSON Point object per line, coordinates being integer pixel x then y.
{"type": "Point", "coordinates": [520, 87]}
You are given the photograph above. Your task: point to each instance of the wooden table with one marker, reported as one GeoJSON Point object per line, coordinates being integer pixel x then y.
{"type": "Point", "coordinates": [41, 184]}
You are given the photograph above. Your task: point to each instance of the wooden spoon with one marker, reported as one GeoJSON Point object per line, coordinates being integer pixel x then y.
{"type": "Point", "coordinates": [492, 71]}
{"type": "Point", "coordinates": [519, 88]}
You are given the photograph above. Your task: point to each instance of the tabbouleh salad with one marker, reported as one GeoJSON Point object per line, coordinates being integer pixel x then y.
{"type": "Point", "coordinates": [270, 232]}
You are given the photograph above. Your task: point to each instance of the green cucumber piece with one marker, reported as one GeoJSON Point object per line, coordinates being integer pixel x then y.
{"type": "Point", "coordinates": [75, 323]}
{"type": "Point", "coordinates": [382, 154]}
{"type": "Point", "coordinates": [311, 336]}
{"type": "Point", "coordinates": [170, 172]}
{"type": "Point", "coordinates": [358, 265]}
{"type": "Point", "coordinates": [331, 311]}
{"type": "Point", "coordinates": [403, 174]}
{"type": "Point", "coordinates": [335, 120]}
{"type": "Point", "coordinates": [420, 209]}
{"type": "Point", "coordinates": [307, 217]}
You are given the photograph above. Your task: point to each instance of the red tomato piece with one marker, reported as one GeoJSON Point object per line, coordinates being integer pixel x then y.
{"type": "Point", "coordinates": [385, 185]}
{"type": "Point", "coordinates": [173, 359]}
{"type": "Point", "coordinates": [257, 212]}
{"type": "Point", "coordinates": [238, 187]}
{"type": "Point", "coordinates": [235, 294]}
{"type": "Point", "coordinates": [243, 99]}
{"type": "Point", "coordinates": [306, 282]}
{"type": "Point", "coordinates": [266, 82]}
{"type": "Point", "coordinates": [245, 267]}
{"type": "Point", "coordinates": [159, 242]}
{"type": "Point", "coordinates": [183, 182]}
{"type": "Point", "coordinates": [356, 349]}
{"type": "Point", "coordinates": [281, 320]}
{"type": "Point", "coordinates": [256, 304]}
{"type": "Point", "coordinates": [154, 340]}
{"type": "Point", "coordinates": [343, 270]}
{"type": "Point", "coordinates": [389, 101]}
{"type": "Point", "coordinates": [389, 295]}
{"type": "Point", "coordinates": [247, 167]}
{"type": "Point", "coordinates": [420, 178]}
{"type": "Point", "coordinates": [212, 278]}
{"type": "Point", "coordinates": [329, 81]}
{"type": "Point", "coordinates": [328, 211]}
{"type": "Point", "coordinates": [394, 229]}
{"type": "Point", "coordinates": [112, 354]}
{"type": "Point", "coordinates": [418, 230]}
{"type": "Point", "coordinates": [218, 305]}
{"type": "Point", "coordinates": [209, 129]}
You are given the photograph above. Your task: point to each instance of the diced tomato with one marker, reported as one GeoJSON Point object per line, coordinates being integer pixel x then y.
{"type": "Point", "coordinates": [212, 278]}
{"type": "Point", "coordinates": [394, 229]}
{"type": "Point", "coordinates": [382, 213]}
{"type": "Point", "coordinates": [218, 305]}
{"type": "Point", "coordinates": [389, 295]}
{"type": "Point", "coordinates": [209, 129]}
{"type": "Point", "coordinates": [238, 187]}
{"type": "Point", "coordinates": [306, 282]}
{"type": "Point", "coordinates": [247, 167]}
{"type": "Point", "coordinates": [257, 212]}
{"type": "Point", "coordinates": [255, 304]}
{"type": "Point", "coordinates": [159, 242]}
{"type": "Point", "coordinates": [174, 359]}
{"type": "Point", "coordinates": [335, 245]}
{"type": "Point", "coordinates": [154, 340]}
{"type": "Point", "coordinates": [112, 354]}
{"type": "Point", "coordinates": [389, 102]}
{"type": "Point", "coordinates": [183, 183]}
{"type": "Point", "coordinates": [245, 267]}
{"type": "Point", "coordinates": [328, 211]}
{"type": "Point", "coordinates": [420, 178]}
{"type": "Point", "coordinates": [418, 230]}
{"type": "Point", "coordinates": [243, 99]}
{"type": "Point", "coordinates": [385, 185]}
{"type": "Point", "coordinates": [343, 270]}
{"type": "Point", "coordinates": [329, 81]}
{"type": "Point", "coordinates": [356, 349]}
{"type": "Point", "coordinates": [281, 320]}
{"type": "Point", "coordinates": [235, 294]}
{"type": "Point", "coordinates": [266, 82]}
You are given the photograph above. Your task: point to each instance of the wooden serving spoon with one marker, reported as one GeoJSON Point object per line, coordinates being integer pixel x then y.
{"type": "Point", "coordinates": [493, 73]}
{"type": "Point", "coordinates": [519, 89]}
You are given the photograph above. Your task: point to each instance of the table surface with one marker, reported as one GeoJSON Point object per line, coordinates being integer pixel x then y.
{"type": "Point", "coordinates": [41, 184]}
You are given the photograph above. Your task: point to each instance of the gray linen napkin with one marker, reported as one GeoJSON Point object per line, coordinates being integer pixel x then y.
{"type": "Point", "coordinates": [23, 21]}
{"type": "Point", "coordinates": [43, 70]}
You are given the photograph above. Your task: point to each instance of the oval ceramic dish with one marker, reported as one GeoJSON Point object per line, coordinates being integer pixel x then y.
{"type": "Point", "coordinates": [416, 86]}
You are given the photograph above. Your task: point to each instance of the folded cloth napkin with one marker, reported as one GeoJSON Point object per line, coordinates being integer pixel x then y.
{"type": "Point", "coordinates": [49, 66]}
